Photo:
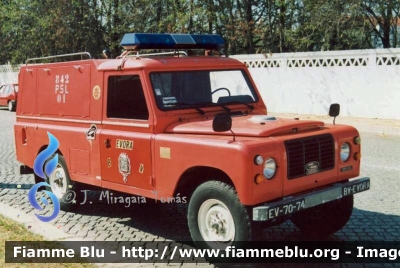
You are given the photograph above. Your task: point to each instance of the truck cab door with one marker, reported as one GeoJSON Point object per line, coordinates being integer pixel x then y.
{"type": "Point", "coordinates": [126, 135]}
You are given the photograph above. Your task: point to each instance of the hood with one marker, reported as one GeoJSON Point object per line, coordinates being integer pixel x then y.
{"type": "Point", "coordinates": [250, 125]}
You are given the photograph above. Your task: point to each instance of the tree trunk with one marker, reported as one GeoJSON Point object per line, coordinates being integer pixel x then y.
{"type": "Point", "coordinates": [282, 14]}
{"type": "Point", "coordinates": [250, 26]}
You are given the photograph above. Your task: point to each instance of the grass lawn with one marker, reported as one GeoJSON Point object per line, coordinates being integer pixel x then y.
{"type": "Point", "coordinates": [13, 231]}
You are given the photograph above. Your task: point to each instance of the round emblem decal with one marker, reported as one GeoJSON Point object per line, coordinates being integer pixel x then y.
{"type": "Point", "coordinates": [96, 92]}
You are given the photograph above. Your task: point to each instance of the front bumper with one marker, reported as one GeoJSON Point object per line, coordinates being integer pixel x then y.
{"type": "Point", "coordinates": [293, 204]}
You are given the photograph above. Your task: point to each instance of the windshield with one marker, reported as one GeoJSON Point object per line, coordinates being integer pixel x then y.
{"type": "Point", "coordinates": [188, 89]}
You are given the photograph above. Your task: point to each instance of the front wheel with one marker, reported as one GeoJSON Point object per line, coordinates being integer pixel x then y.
{"type": "Point", "coordinates": [216, 215]}
{"type": "Point", "coordinates": [326, 219]}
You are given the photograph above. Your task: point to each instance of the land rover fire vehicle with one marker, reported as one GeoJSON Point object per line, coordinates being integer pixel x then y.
{"type": "Point", "coordinates": [177, 124]}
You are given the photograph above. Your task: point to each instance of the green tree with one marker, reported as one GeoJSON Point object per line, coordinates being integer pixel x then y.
{"type": "Point", "coordinates": [383, 16]}
{"type": "Point", "coordinates": [323, 25]}
{"type": "Point", "coordinates": [41, 28]}
{"type": "Point", "coordinates": [33, 28]}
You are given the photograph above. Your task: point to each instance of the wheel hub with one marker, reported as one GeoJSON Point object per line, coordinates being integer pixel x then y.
{"type": "Point", "coordinates": [57, 182]}
{"type": "Point", "coordinates": [216, 222]}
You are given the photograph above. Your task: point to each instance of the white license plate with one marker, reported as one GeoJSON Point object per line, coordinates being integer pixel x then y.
{"type": "Point", "coordinates": [355, 188]}
{"type": "Point", "coordinates": [286, 209]}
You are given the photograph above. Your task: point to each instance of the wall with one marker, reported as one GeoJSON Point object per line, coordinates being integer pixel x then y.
{"type": "Point", "coordinates": [8, 74]}
{"type": "Point", "coordinates": [366, 83]}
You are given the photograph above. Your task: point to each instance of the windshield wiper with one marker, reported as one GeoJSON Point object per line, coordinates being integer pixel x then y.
{"type": "Point", "coordinates": [223, 106]}
{"type": "Point", "coordinates": [251, 107]}
{"type": "Point", "coordinates": [212, 104]}
{"type": "Point", "coordinates": [190, 105]}
{"type": "Point", "coordinates": [201, 111]}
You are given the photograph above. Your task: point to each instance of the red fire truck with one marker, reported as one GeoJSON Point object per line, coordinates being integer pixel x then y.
{"type": "Point", "coordinates": [182, 125]}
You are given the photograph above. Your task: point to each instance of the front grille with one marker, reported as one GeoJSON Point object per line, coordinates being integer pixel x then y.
{"type": "Point", "coordinates": [316, 150]}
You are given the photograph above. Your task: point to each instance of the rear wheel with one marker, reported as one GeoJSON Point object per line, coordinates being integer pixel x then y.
{"type": "Point", "coordinates": [67, 192]}
{"type": "Point", "coordinates": [215, 215]}
{"type": "Point", "coordinates": [326, 219]}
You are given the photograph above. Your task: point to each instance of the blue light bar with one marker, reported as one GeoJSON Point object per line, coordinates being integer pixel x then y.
{"type": "Point", "coordinates": [135, 41]}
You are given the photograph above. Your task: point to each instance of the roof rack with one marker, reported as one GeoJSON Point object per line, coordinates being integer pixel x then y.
{"type": "Point", "coordinates": [81, 54]}
{"type": "Point", "coordinates": [124, 56]}
{"type": "Point", "coordinates": [127, 53]}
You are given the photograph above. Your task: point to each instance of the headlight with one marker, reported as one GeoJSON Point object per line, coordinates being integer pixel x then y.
{"type": "Point", "coordinates": [345, 152]}
{"type": "Point", "coordinates": [269, 168]}
{"type": "Point", "coordinates": [258, 160]}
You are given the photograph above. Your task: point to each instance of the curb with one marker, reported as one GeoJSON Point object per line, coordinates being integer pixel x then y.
{"type": "Point", "coordinates": [47, 230]}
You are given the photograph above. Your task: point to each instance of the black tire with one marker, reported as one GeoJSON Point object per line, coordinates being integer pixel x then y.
{"type": "Point", "coordinates": [11, 106]}
{"type": "Point", "coordinates": [216, 216]}
{"type": "Point", "coordinates": [67, 191]}
{"type": "Point", "coordinates": [326, 219]}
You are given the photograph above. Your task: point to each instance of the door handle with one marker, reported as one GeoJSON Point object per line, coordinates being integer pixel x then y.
{"type": "Point", "coordinates": [107, 143]}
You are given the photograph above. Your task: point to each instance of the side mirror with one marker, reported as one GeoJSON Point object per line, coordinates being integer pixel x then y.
{"type": "Point", "coordinates": [334, 110]}
{"type": "Point", "coordinates": [222, 123]}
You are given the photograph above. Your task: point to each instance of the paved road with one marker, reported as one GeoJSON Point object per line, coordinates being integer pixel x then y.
{"type": "Point", "coordinates": [376, 215]}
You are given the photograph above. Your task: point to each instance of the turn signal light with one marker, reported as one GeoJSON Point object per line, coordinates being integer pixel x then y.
{"type": "Point", "coordinates": [357, 156]}
{"type": "Point", "coordinates": [357, 140]}
{"type": "Point", "coordinates": [259, 179]}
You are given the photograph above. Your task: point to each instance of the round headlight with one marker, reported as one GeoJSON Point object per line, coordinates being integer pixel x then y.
{"type": "Point", "coordinates": [269, 168]}
{"type": "Point", "coordinates": [258, 160]}
{"type": "Point", "coordinates": [345, 152]}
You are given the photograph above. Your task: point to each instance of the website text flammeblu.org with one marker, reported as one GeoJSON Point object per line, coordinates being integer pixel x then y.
{"type": "Point", "coordinates": [286, 252]}
{"type": "Point", "coordinates": [230, 252]}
